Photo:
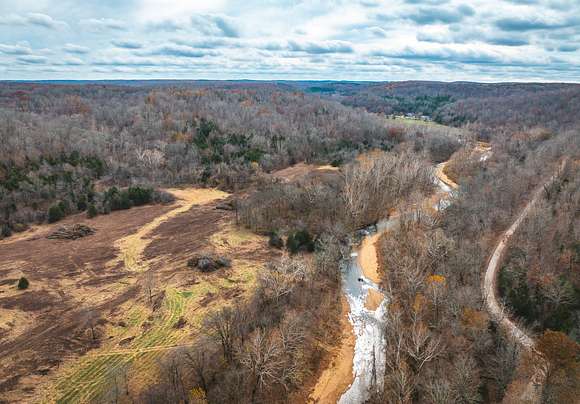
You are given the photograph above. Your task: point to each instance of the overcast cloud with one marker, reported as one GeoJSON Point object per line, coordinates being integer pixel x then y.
{"type": "Point", "coordinates": [481, 40]}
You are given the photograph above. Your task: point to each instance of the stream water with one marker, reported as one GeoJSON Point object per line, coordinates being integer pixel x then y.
{"type": "Point", "coordinates": [369, 325]}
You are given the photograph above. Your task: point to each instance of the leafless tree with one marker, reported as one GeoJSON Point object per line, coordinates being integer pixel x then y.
{"type": "Point", "coordinates": [149, 283]}
{"type": "Point", "coordinates": [263, 357]}
{"type": "Point", "coordinates": [90, 318]}
{"type": "Point", "coordinates": [222, 325]}
{"type": "Point", "coordinates": [421, 345]}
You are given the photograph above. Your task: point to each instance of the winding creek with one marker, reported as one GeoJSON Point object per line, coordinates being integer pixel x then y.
{"type": "Point", "coordinates": [368, 322]}
{"type": "Point", "coordinates": [368, 325]}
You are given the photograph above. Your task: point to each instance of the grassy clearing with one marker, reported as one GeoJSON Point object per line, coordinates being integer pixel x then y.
{"type": "Point", "coordinates": [148, 335]}
{"type": "Point", "coordinates": [89, 376]}
{"type": "Point", "coordinates": [132, 247]}
{"type": "Point", "coordinates": [410, 122]}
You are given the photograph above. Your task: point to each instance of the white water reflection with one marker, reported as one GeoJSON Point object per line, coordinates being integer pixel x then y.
{"type": "Point", "coordinates": [368, 325]}
{"type": "Point", "coordinates": [369, 350]}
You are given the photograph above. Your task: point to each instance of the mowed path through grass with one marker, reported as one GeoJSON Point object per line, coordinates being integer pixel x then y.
{"type": "Point", "coordinates": [149, 335]}
{"type": "Point", "coordinates": [94, 371]}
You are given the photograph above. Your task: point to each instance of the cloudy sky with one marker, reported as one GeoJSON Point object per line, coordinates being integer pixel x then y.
{"type": "Point", "coordinates": [481, 40]}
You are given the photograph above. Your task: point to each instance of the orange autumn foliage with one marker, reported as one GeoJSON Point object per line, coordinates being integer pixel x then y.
{"type": "Point", "coordinates": [439, 279]}
{"type": "Point", "coordinates": [475, 319]}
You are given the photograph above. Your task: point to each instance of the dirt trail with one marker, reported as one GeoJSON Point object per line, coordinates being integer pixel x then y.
{"type": "Point", "coordinates": [336, 378]}
{"type": "Point", "coordinates": [83, 379]}
{"type": "Point", "coordinates": [532, 392]}
{"type": "Point", "coordinates": [132, 247]}
{"type": "Point", "coordinates": [440, 174]}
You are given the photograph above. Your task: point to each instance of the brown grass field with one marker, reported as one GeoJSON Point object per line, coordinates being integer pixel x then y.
{"type": "Point", "coordinates": [48, 352]}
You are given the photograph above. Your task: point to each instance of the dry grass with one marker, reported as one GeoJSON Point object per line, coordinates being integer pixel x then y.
{"type": "Point", "coordinates": [132, 247]}
{"type": "Point", "coordinates": [135, 335]}
{"type": "Point", "coordinates": [303, 171]}
{"type": "Point", "coordinates": [153, 333]}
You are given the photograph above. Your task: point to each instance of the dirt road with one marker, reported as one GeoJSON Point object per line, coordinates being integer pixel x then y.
{"type": "Point", "coordinates": [532, 392]}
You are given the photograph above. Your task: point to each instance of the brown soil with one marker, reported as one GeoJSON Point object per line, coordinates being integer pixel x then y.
{"type": "Point", "coordinates": [44, 327]}
{"type": "Point", "coordinates": [440, 173]}
{"type": "Point", "coordinates": [337, 377]}
{"type": "Point", "coordinates": [303, 172]}
{"type": "Point", "coordinates": [373, 300]}
{"type": "Point", "coordinates": [367, 258]}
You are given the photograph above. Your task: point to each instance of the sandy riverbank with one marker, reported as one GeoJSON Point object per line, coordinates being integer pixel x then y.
{"type": "Point", "coordinates": [336, 378]}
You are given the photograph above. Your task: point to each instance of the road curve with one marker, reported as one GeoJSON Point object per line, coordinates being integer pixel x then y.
{"type": "Point", "coordinates": [533, 390]}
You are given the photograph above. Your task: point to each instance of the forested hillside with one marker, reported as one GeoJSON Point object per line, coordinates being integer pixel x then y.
{"type": "Point", "coordinates": [485, 106]}
{"type": "Point", "coordinates": [245, 296]}
{"type": "Point", "coordinates": [63, 146]}
{"type": "Point", "coordinates": [441, 345]}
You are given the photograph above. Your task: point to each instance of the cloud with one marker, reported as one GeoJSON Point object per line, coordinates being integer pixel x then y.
{"type": "Point", "coordinates": [530, 24]}
{"type": "Point", "coordinates": [35, 19]}
{"type": "Point", "coordinates": [180, 51]}
{"type": "Point", "coordinates": [76, 49]}
{"type": "Point", "coordinates": [320, 47]}
{"type": "Point", "coordinates": [327, 39]}
{"type": "Point", "coordinates": [127, 61]}
{"type": "Point", "coordinates": [215, 25]}
{"type": "Point", "coordinates": [568, 48]}
{"type": "Point", "coordinates": [443, 53]}
{"type": "Point", "coordinates": [167, 26]}
{"type": "Point", "coordinates": [430, 2]}
{"type": "Point", "coordinates": [227, 27]}
{"type": "Point", "coordinates": [508, 41]}
{"type": "Point", "coordinates": [370, 3]}
{"type": "Point", "coordinates": [475, 35]}
{"type": "Point", "coordinates": [32, 59]}
{"type": "Point", "coordinates": [70, 61]}
{"type": "Point", "coordinates": [524, 1]}
{"type": "Point", "coordinates": [127, 44]}
{"type": "Point", "coordinates": [210, 43]}
{"type": "Point", "coordinates": [15, 49]}
{"type": "Point", "coordinates": [434, 15]}
{"type": "Point", "coordinates": [103, 24]}
{"type": "Point", "coordinates": [44, 20]}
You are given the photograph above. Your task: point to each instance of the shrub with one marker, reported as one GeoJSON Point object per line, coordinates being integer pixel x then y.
{"type": "Point", "coordinates": [300, 241]}
{"type": "Point", "coordinates": [82, 203]}
{"type": "Point", "coordinates": [92, 211]}
{"type": "Point", "coordinates": [23, 283]}
{"type": "Point", "coordinates": [162, 197]}
{"type": "Point", "coordinates": [5, 231]}
{"type": "Point", "coordinates": [64, 206]}
{"type": "Point", "coordinates": [140, 196]}
{"type": "Point", "coordinates": [19, 227]}
{"type": "Point", "coordinates": [117, 200]}
{"type": "Point", "coordinates": [254, 155]}
{"type": "Point", "coordinates": [55, 213]}
{"type": "Point", "coordinates": [275, 241]}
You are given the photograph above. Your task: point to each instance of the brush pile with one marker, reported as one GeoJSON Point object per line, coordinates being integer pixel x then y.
{"type": "Point", "coordinates": [208, 262]}
{"type": "Point", "coordinates": [71, 232]}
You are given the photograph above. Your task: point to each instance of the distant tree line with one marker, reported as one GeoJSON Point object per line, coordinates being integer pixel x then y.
{"type": "Point", "coordinates": [57, 142]}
